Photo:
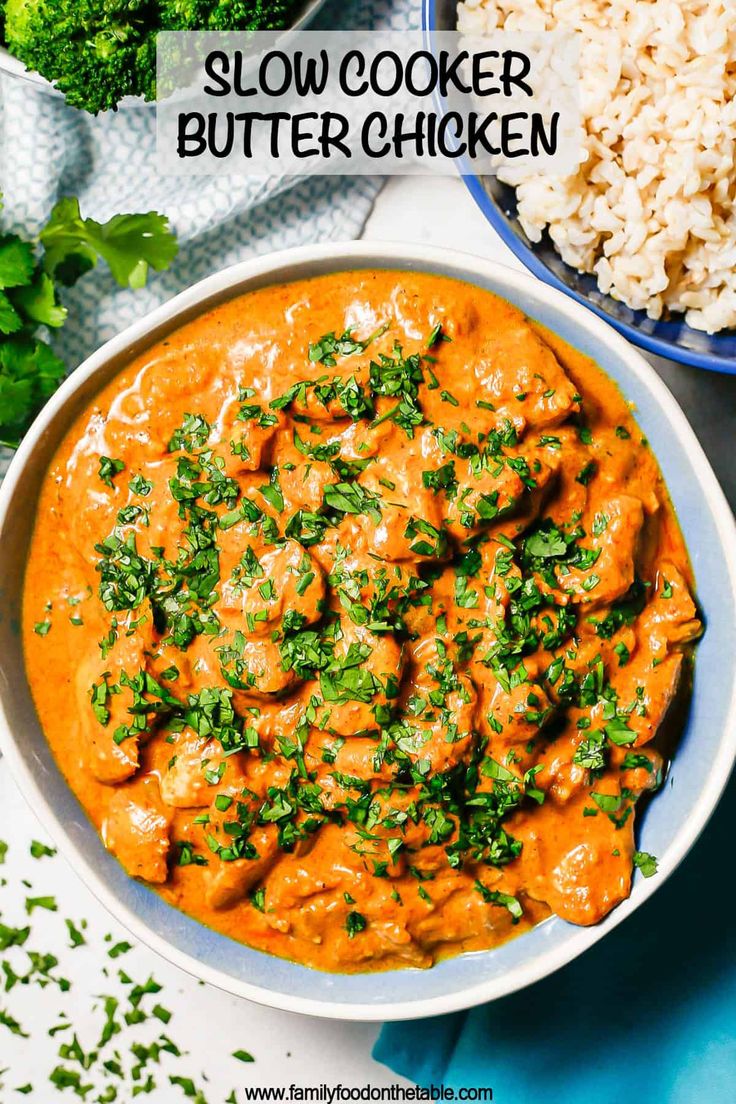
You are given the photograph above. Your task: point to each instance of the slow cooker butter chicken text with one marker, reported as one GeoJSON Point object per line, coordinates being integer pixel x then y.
{"type": "Point", "coordinates": [359, 620]}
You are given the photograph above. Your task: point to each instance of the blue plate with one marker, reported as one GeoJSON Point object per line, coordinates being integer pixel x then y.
{"type": "Point", "coordinates": [673, 338]}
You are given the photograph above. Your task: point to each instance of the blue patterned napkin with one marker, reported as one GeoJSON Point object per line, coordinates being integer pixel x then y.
{"type": "Point", "coordinates": [48, 149]}
{"type": "Point", "coordinates": [648, 1014]}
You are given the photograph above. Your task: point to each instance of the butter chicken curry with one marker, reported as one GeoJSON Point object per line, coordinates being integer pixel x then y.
{"type": "Point", "coordinates": [352, 615]}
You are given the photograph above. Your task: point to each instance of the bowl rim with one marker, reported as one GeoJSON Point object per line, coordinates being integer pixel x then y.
{"type": "Point", "coordinates": [711, 362]}
{"type": "Point", "coordinates": [402, 256]}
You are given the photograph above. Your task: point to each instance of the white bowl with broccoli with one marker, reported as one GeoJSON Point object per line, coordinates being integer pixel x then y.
{"type": "Point", "coordinates": [102, 59]}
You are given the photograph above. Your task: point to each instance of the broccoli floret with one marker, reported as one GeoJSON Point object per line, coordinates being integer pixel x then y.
{"type": "Point", "coordinates": [228, 15]}
{"type": "Point", "coordinates": [15, 14]}
{"type": "Point", "coordinates": [98, 51]}
{"type": "Point", "coordinates": [94, 51]}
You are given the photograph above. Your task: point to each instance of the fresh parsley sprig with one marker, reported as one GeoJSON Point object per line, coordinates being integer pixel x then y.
{"type": "Point", "coordinates": [30, 275]}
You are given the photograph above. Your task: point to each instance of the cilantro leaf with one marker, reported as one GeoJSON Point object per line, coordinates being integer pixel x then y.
{"type": "Point", "coordinates": [503, 900]}
{"type": "Point", "coordinates": [39, 303]}
{"type": "Point", "coordinates": [29, 373]}
{"type": "Point", "coordinates": [546, 545]}
{"type": "Point", "coordinates": [355, 922]}
{"type": "Point", "coordinates": [17, 261]}
{"type": "Point", "coordinates": [646, 863]}
{"type": "Point", "coordinates": [10, 320]}
{"type": "Point", "coordinates": [130, 244]}
{"type": "Point", "coordinates": [109, 468]}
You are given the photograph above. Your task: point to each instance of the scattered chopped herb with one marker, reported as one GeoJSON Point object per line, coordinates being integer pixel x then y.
{"type": "Point", "coordinates": [41, 850]}
{"type": "Point", "coordinates": [48, 903]}
{"type": "Point", "coordinates": [586, 473]}
{"type": "Point", "coordinates": [109, 468]}
{"type": "Point", "coordinates": [75, 935]}
{"type": "Point", "coordinates": [120, 949]}
{"type": "Point", "coordinates": [503, 900]}
{"type": "Point", "coordinates": [646, 863]}
{"type": "Point", "coordinates": [355, 922]}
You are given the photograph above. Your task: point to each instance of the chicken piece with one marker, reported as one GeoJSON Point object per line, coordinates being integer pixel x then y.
{"type": "Point", "coordinates": [349, 757]}
{"type": "Point", "coordinates": [648, 684]}
{"type": "Point", "coordinates": [154, 516]}
{"type": "Point", "coordinates": [122, 512]}
{"type": "Point", "coordinates": [382, 589]}
{"type": "Point", "coordinates": [580, 865]}
{"type": "Point", "coordinates": [303, 486]}
{"type": "Point", "coordinates": [456, 914]}
{"type": "Point", "coordinates": [419, 314]}
{"type": "Point", "coordinates": [262, 585]}
{"type": "Point", "coordinates": [410, 527]}
{"type": "Point", "coordinates": [544, 471]}
{"type": "Point", "coordinates": [591, 878]}
{"type": "Point", "coordinates": [183, 781]}
{"type": "Point", "coordinates": [247, 431]}
{"type": "Point", "coordinates": [516, 368]}
{"type": "Point", "coordinates": [273, 720]}
{"type": "Point", "coordinates": [404, 536]}
{"type": "Point", "coordinates": [670, 618]}
{"type": "Point", "coordinates": [439, 706]}
{"type": "Point", "coordinates": [561, 778]}
{"type": "Point", "coordinates": [229, 882]}
{"type": "Point", "coordinates": [136, 831]}
{"type": "Point", "coordinates": [647, 692]}
{"type": "Point", "coordinates": [104, 704]}
{"type": "Point", "coordinates": [362, 441]}
{"type": "Point", "coordinates": [144, 411]}
{"type": "Point", "coordinates": [172, 667]}
{"type": "Point", "coordinates": [638, 780]}
{"type": "Point", "coordinates": [513, 715]}
{"type": "Point", "coordinates": [367, 677]}
{"type": "Point", "coordinates": [612, 573]}
{"type": "Point", "coordinates": [480, 497]}
{"type": "Point", "coordinates": [498, 573]}
{"type": "Point", "coordinates": [321, 405]}
{"type": "Point", "coordinates": [251, 667]}
{"type": "Point", "coordinates": [291, 886]}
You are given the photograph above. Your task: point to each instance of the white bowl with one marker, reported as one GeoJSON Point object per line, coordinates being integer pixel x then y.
{"type": "Point", "coordinates": [672, 821]}
{"type": "Point", "coordinates": [15, 68]}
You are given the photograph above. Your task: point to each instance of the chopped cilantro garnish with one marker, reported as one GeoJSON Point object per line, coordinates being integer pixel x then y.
{"type": "Point", "coordinates": [646, 863]}
{"type": "Point", "coordinates": [109, 468]}
{"type": "Point", "coordinates": [355, 922]}
{"type": "Point", "coordinates": [503, 900]}
{"type": "Point", "coordinates": [41, 850]}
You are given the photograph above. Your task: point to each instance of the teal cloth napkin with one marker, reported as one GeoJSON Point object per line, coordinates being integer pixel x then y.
{"type": "Point", "coordinates": [647, 1015]}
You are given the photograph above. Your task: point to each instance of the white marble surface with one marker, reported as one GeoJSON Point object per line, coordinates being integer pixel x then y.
{"type": "Point", "coordinates": [210, 1025]}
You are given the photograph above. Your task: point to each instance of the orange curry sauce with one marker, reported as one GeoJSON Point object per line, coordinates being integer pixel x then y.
{"type": "Point", "coordinates": [352, 613]}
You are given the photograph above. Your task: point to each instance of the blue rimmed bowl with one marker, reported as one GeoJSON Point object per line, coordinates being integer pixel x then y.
{"type": "Point", "coordinates": [673, 820]}
{"type": "Point", "coordinates": [672, 338]}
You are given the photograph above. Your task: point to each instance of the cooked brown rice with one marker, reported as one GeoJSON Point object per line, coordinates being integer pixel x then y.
{"type": "Point", "coordinates": [651, 209]}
